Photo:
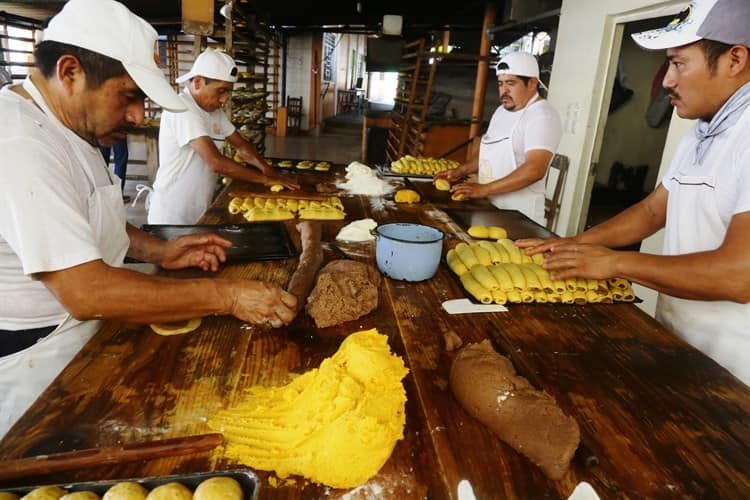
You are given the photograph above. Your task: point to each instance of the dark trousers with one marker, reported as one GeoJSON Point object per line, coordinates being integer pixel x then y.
{"type": "Point", "coordinates": [121, 158]}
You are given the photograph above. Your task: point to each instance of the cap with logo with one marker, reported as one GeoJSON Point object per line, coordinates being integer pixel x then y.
{"type": "Point", "coordinates": [109, 28]}
{"type": "Point", "coordinates": [213, 64]}
{"type": "Point", "coordinates": [724, 21]}
{"type": "Point", "coordinates": [519, 64]}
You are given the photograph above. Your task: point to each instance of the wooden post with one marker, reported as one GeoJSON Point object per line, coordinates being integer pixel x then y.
{"type": "Point", "coordinates": [480, 86]}
{"type": "Point", "coordinates": [281, 121]}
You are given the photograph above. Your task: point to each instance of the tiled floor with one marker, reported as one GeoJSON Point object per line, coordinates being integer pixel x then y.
{"type": "Point", "coordinates": [336, 148]}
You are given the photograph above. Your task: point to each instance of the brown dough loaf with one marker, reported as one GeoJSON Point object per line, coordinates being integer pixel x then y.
{"type": "Point", "coordinates": [310, 261]}
{"type": "Point", "coordinates": [345, 290]}
{"type": "Point", "coordinates": [527, 419]}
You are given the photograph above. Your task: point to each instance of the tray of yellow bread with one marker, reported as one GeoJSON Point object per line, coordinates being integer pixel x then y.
{"type": "Point", "coordinates": [226, 485]}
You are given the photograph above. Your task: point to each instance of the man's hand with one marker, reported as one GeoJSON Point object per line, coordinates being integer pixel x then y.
{"type": "Point", "coordinates": [262, 303]}
{"type": "Point", "coordinates": [579, 260]}
{"type": "Point", "coordinates": [539, 245]}
{"type": "Point", "coordinates": [450, 175]}
{"type": "Point", "coordinates": [196, 250]}
{"type": "Point", "coordinates": [470, 190]}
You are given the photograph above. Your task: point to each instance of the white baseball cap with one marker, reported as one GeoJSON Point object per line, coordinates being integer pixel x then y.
{"type": "Point", "coordinates": [519, 64]}
{"type": "Point", "coordinates": [213, 64]}
{"type": "Point", "coordinates": [109, 28]}
{"type": "Point", "coordinates": [724, 21]}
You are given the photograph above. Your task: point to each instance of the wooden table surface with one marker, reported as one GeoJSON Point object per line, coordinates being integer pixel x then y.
{"type": "Point", "coordinates": [657, 417]}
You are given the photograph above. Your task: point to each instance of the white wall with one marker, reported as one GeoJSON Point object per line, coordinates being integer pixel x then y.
{"type": "Point", "coordinates": [298, 67]}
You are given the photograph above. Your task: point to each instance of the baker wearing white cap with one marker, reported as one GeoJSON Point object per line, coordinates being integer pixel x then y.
{"type": "Point", "coordinates": [521, 140]}
{"type": "Point", "coordinates": [63, 233]}
{"type": "Point", "coordinates": [703, 201]}
{"type": "Point", "coordinates": [190, 144]}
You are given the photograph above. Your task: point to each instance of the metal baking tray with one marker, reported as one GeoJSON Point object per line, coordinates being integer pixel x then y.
{"type": "Point", "coordinates": [247, 479]}
{"type": "Point", "coordinates": [385, 171]}
{"type": "Point", "coordinates": [275, 163]}
{"type": "Point", "coordinates": [259, 241]}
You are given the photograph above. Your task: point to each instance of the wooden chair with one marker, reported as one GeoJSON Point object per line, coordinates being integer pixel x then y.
{"type": "Point", "coordinates": [554, 184]}
{"type": "Point", "coordinates": [294, 113]}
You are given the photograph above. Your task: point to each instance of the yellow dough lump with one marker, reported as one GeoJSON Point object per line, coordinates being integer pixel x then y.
{"type": "Point", "coordinates": [81, 495]}
{"type": "Point", "coordinates": [170, 491]}
{"type": "Point", "coordinates": [126, 491]}
{"type": "Point", "coordinates": [479, 232]}
{"type": "Point", "coordinates": [336, 424]}
{"type": "Point", "coordinates": [286, 164]}
{"type": "Point", "coordinates": [218, 488]}
{"type": "Point", "coordinates": [177, 327]}
{"type": "Point", "coordinates": [276, 188]}
{"type": "Point", "coordinates": [4, 495]}
{"type": "Point", "coordinates": [45, 493]}
{"type": "Point", "coordinates": [322, 166]}
{"type": "Point", "coordinates": [442, 185]}
{"type": "Point", "coordinates": [407, 196]}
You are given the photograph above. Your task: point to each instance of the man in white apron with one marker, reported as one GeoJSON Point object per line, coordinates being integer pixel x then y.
{"type": "Point", "coordinates": [521, 140]}
{"type": "Point", "coordinates": [190, 144]}
{"type": "Point", "coordinates": [703, 201]}
{"type": "Point", "coordinates": [63, 233]}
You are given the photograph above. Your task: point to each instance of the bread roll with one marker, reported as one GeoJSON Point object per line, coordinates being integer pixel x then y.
{"type": "Point", "coordinates": [170, 491]}
{"type": "Point", "coordinates": [126, 491]}
{"type": "Point", "coordinates": [6, 495]}
{"type": "Point", "coordinates": [81, 495]}
{"type": "Point", "coordinates": [527, 419]}
{"type": "Point", "coordinates": [218, 488]}
{"type": "Point", "coordinates": [45, 493]}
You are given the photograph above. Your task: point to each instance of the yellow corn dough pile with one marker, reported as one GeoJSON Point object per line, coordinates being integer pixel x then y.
{"type": "Point", "coordinates": [336, 425]}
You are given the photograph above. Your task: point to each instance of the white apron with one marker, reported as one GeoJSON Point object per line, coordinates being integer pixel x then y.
{"type": "Point", "coordinates": [720, 328]}
{"type": "Point", "coordinates": [24, 375]}
{"type": "Point", "coordinates": [497, 160]}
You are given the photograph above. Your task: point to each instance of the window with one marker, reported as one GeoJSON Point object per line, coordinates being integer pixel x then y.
{"type": "Point", "coordinates": [17, 36]}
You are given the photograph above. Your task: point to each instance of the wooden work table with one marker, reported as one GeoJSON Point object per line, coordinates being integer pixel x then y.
{"type": "Point", "coordinates": [658, 418]}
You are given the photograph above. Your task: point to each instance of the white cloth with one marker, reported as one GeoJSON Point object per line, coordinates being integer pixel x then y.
{"type": "Point", "coordinates": [70, 175]}
{"type": "Point", "coordinates": [510, 135]}
{"type": "Point", "coordinates": [702, 200]}
{"type": "Point", "coordinates": [185, 184]}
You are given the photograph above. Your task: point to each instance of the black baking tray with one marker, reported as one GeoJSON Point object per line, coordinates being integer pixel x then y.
{"type": "Point", "coordinates": [247, 479]}
{"type": "Point", "coordinates": [259, 241]}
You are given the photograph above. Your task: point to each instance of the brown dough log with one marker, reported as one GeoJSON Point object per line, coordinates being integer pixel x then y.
{"type": "Point", "coordinates": [345, 290]}
{"type": "Point", "coordinates": [527, 419]}
{"type": "Point", "coordinates": [310, 260]}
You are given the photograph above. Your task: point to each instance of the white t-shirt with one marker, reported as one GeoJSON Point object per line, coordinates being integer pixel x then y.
{"type": "Point", "coordinates": [539, 127]}
{"type": "Point", "coordinates": [44, 210]}
{"type": "Point", "coordinates": [184, 184]}
{"type": "Point", "coordinates": [732, 189]}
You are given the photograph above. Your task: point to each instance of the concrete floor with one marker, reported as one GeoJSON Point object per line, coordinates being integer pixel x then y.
{"type": "Point", "coordinates": [336, 148]}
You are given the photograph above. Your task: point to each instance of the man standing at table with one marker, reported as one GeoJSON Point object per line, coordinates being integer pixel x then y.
{"type": "Point", "coordinates": [189, 145]}
{"type": "Point", "coordinates": [63, 232]}
{"type": "Point", "coordinates": [521, 140]}
{"type": "Point", "coordinates": [703, 201]}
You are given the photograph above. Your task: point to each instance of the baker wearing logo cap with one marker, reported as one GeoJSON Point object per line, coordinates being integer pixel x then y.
{"type": "Point", "coordinates": [63, 232]}
{"type": "Point", "coordinates": [521, 140]}
{"type": "Point", "coordinates": [703, 201]}
{"type": "Point", "coordinates": [189, 145]}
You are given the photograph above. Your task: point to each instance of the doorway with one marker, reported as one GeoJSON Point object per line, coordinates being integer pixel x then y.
{"type": "Point", "coordinates": [635, 128]}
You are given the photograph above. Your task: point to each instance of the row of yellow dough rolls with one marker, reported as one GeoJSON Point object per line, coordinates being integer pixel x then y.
{"type": "Point", "coordinates": [257, 209]}
{"type": "Point", "coordinates": [491, 278]}
{"type": "Point", "coordinates": [424, 166]}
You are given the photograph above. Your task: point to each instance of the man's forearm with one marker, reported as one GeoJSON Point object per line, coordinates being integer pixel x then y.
{"type": "Point", "coordinates": [143, 246]}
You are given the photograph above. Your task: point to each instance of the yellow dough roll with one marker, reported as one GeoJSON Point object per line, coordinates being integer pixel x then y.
{"type": "Point", "coordinates": [235, 205]}
{"type": "Point", "coordinates": [302, 204]}
{"type": "Point", "coordinates": [292, 205]}
{"type": "Point", "coordinates": [455, 263]}
{"type": "Point", "coordinates": [259, 203]}
{"type": "Point", "coordinates": [519, 282]}
{"type": "Point", "coordinates": [532, 282]}
{"type": "Point", "coordinates": [540, 297]}
{"type": "Point", "coordinates": [45, 493]}
{"type": "Point", "coordinates": [559, 286]}
{"type": "Point", "coordinates": [484, 277]}
{"type": "Point", "coordinates": [581, 285]}
{"type": "Point", "coordinates": [593, 297]}
{"type": "Point", "coordinates": [592, 284]}
{"type": "Point", "coordinates": [579, 297]}
{"type": "Point", "coordinates": [496, 233]}
{"type": "Point", "coordinates": [571, 285]}
{"type": "Point", "coordinates": [514, 297]}
{"type": "Point", "coordinates": [513, 251]}
{"type": "Point", "coordinates": [483, 256]}
{"type": "Point", "coordinates": [527, 296]}
{"type": "Point", "coordinates": [270, 204]}
{"type": "Point", "coordinates": [268, 214]}
{"type": "Point", "coordinates": [502, 252]}
{"type": "Point", "coordinates": [321, 214]}
{"type": "Point", "coordinates": [543, 276]}
{"type": "Point", "coordinates": [314, 204]}
{"type": "Point", "coordinates": [475, 289]}
{"type": "Point", "coordinates": [247, 204]}
{"type": "Point", "coordinates": [480, 232]}
{"type": "Point", "coordinates": [219, 488]}
{"type": "Point", "coordinates": [495, 256]}
{"type": "Point", "coordinates": [126, 491]}
{"type": "Point", "coordinates": [502, 277]}
{"type": "Point", "coordinates": [466, 254]}
{"type": "Point", "coordinates": [499, 297]}
{"type": "Point", "coordinates": [623, 295]}
{"type": "Point", "coordinates": [554, 298]}
{"type": "Point", "coordinates": [336, 203]}
{"type": "Point", "coordinates": [442, 185]}
{"type": "Point", "coordinates": [567, 297]}
{"type": "Point", "coordinates": [538, 259]}
{"type": "Point", "coordinates": [170, 491]}
{"type": "Point", "coordinates": [620, 283]}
